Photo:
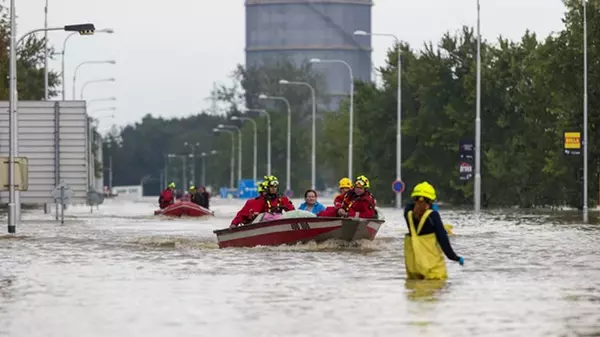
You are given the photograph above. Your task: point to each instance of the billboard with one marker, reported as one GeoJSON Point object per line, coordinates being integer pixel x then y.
{"type": "Point", "coordinates": [466, 153]}
{"type": "Point", "coordinates": [52, 135]}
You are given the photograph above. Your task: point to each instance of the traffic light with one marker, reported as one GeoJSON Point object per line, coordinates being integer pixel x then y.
{"type": "Point", "coordinates": [82, 29]}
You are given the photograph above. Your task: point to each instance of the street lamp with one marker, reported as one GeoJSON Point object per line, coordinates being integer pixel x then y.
{"type": "Point", "coordinates": [96, 100]}
{"type": "Point", "coordinates": [193, 157]}
{"type": "Point", "coordinates": [14, 212]}
{"type": "Point", "coordinates": [398, 110]}
{"type": "Point", "coordinates": [106, 30]}
{"type": "Point", "coordinates": [351, 124]}
{"type": "Point", "coordinates": [204, 154]}
{"type": "Point", "coordinates": [111, 79]}
{"type": "Point", "coordinates": [255, 137]}
{"type": "Point", "coordinates": [289, 138]}
{"type": "Point", "coordinates": [222, 126]}
{"type": "Point", "coordinates": [585, 114]}
{"type": "Point", "coordinates": [314, 129]}
{"type": "Point", "coordinates": [102, 110]}
{"type": "Point", "coordinates": [84, 63]}
{"type": "Point", "coordinates": [232, 153]}
{"type": "Point", "coordinates": [266, 113]}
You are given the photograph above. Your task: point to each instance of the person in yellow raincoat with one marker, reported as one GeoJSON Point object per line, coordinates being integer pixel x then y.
{"type": "Point", "coordinates": [427, 240]}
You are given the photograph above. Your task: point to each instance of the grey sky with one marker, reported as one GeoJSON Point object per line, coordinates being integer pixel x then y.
{"type": "Point", "coordinates": [169, 53]}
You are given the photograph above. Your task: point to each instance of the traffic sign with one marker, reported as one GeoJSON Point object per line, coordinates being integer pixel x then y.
{"type": "Point", "coordinates": [398, 186]}
{"type": "Point", "coordinates": [62, 193]}
{"type": "Point", "coordinates": [94, 198]}
{"type": "Point", "coordinates": [247, 189]}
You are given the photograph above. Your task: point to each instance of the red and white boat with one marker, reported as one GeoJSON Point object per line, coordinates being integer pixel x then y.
{"type": "Point", "coordinates": [184, 208]}
{"type": "Point", "coordinates": [295, 230]}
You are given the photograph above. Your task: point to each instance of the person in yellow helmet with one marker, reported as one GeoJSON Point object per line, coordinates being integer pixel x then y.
{"type": "Point", "coordinates": [167, 196]}
{"type": "Point", "coordinates": [356, 202]}
{"type": "Point", "coordinates": [344, 185]}
{"type": "Point", "coordinates": [427, 240]}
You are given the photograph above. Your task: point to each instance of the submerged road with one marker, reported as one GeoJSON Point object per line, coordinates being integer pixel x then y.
{"type": "Point", "coordinates": [123, 272]}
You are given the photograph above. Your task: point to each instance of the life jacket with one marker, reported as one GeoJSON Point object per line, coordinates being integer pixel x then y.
{"type": "Point", "coordinates": [273, 206]}
{"type": "Point", "coordinates": [423, 256]}
{"type": "Point", "coordinates": [350, 197]}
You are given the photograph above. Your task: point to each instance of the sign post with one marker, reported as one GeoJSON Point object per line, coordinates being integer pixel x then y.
{"type": "Point", "coordinates": [398, 186]}
{"type": "Point", "coordinates": [62, 193]}
{"type": "Point", "coordinates": [465, 165]}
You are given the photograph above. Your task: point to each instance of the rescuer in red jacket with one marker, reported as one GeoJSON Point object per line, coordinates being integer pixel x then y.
{"type": "Point", "coordinates": [167, 197]}
{"type": "Point", "coordinates": [250, 209]}
{"type": "Point", "coordinates": [356, 202]}
{"type": "Point", "coordinates": [270, 201]}
{"type": "Point", "coordinates": [344, 185]}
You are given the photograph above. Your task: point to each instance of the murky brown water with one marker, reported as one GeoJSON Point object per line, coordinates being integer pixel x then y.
{"type": "Point", "coordinates": [134, 275]}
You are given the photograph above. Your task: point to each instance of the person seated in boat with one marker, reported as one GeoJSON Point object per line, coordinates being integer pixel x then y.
{"type": "Point", "coordinates": [195, 196]}
{"type": "Point", "coordinates": [205, 197]}
{"type": "Point", "coordinates": [167, 197]}
{"type": "Point", "coordinates": [356, 202]}
{"type": "Point", "coordinates": [427, 241]}
{"type": "Point", "coordinates": [272, 201]}
{"type": "Point", "coordinates": [344, 185]}
{"type": "Point", "coordinates": [310, 203]}
{"type": "Point", "coordinates": [248, 212]}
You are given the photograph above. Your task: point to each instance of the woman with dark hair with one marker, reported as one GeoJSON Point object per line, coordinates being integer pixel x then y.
{"type": "Point", "coordinates": [310, 203]}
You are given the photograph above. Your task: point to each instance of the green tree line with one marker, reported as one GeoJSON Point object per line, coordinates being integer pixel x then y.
{"type": "Point", "coordinates": [532, 92]}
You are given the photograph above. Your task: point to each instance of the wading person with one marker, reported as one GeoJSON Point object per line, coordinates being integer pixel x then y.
{"type": "Point", "coordinates": [427, 240]}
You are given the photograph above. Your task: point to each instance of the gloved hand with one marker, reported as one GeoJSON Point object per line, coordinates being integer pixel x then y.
{"type": "Point", "coordinates": [461, 260]}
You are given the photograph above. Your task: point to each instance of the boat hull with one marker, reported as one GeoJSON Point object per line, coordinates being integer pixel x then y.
{"type": "Point", "coordinates": [298, 230]}
{"type": "Point", "coordinates": [184, 208]}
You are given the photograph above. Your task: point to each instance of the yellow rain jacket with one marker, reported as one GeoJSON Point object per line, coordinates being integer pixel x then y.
{"type": "Point", "coordinates": [423, 256]}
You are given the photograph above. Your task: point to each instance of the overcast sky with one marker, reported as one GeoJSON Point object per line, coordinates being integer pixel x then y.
{"type": "Point", "coordinates": [169, 53]}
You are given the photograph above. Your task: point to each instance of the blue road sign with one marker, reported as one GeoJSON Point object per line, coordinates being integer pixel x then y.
{"type": "Point", "coordinates": [398, 186]}
{"type": "Point", "coordinates": [248, 188]}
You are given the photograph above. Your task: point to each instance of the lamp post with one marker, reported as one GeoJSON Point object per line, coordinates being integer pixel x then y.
{"type": "Point", "coordinates": [232, 153]}
{"type": "Point", "coordinates": [351, 123]}
{"type": "Point", "coordinates": [103, 109]}
{"type": "Point", "coordinates": [255, 140]}
{"type": "Point", "coordinates": [314, 129]}
{"type": "Point", "coordinates": [477, 194]}
{"type": "Point", "coordinates": [585, 116]}
{"type": "Point", "coordinates": [13, 201]}
{"type": "Point", "coordinates": [222, 126]}
{"type": "Point", "coordinates": [204, 154]}
{"type": "Point", "coordinates": [107, 30]}
{"type": "Point", "coordinates": [289, 138]}
{"type": "Point", "coordinates": [84, 63]}
{"type": "Point", "coordinates": [193, 157]}
{"type": "Point", "coordinates": [398, 110]}
{"type": "Point", "coordinates": [111, 79]}
{"type": "Point", "coordinates": [96, 100]}
{"type": "Point", "coordinates": [266, 113]}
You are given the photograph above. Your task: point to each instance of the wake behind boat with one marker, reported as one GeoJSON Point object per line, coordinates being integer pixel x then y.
{"type": "Point", "coordinates": [298, 227]}
{"type": "Point", "coordinates": [184, 208]}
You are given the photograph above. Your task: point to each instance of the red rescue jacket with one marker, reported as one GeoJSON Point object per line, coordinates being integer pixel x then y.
{"type": "Point", "coordinates": [246, 214]}
{"type": "Point", "coordinates": [275, 204]}
{"type": "Point", "coordinates": [337, 202]}
{"type": "Point", "coordinates": [166, 198]}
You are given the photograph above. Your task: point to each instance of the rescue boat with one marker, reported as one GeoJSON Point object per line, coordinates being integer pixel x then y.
{"type": "Point", "coordinates": [184, 208]}
{"type": "Point", "coordinates": [299, 227]}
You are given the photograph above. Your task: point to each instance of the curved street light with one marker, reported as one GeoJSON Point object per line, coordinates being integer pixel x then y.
{"type": "Point", "coordinates": [84, 63]}
{"type": "Point", "coordinates": [106, 30]}
{"type": "Point", "coordinates": [111, 79]}
{"type": "Point", "coordinates": [223, 126]}
{"type": "Point", "coordinates": [351, 124]}
{"type": "Point", "coordinates": [289, 137]}
{"type": "Point", "coordinates": [255, 140]}
{"type": "Point", "coordinates": [232, 153]}
{"type": "Point", "coordinates": [314, 129]}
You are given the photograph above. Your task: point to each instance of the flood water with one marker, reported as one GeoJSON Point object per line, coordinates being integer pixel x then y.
{"type": "Point", "coordinates": [122, 272]}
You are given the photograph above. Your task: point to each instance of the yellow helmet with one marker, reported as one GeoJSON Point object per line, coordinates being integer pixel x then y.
{"type": "Point", "coordinates": [261, 187]}
{"type": "Point", "coordinates": [192, 188]}
{"type": "Point", "coordinates": [424, 190]}
{"type": "Point", "coordinates": [171, 185]}
{"type": "Point", "coordinates": [362, 181]}
{"type": "Point", "coordinates": [345, 183]}
{"type": "Point", "coordinates": [270, 181]}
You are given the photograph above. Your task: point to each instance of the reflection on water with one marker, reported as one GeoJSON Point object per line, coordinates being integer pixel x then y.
{"type": "Point", "coordinates": [122, 272]}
